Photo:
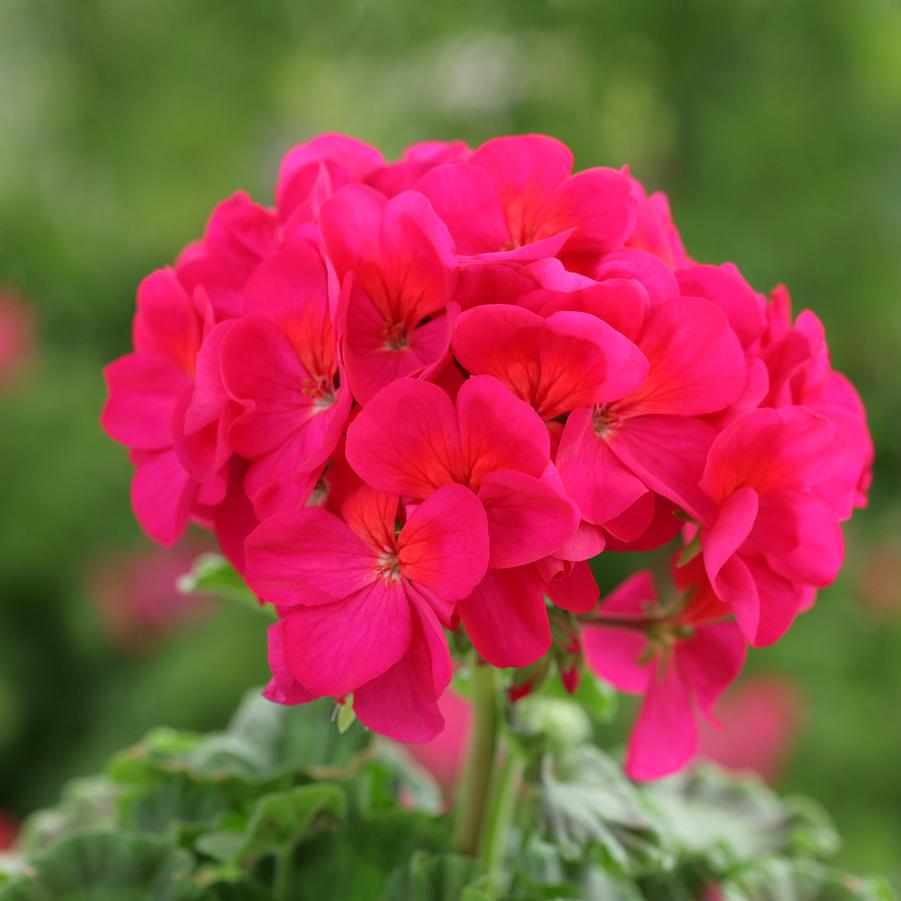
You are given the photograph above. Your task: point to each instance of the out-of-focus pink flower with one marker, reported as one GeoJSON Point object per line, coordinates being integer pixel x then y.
{"type": "Point", "coordinates": [17, 338]}
{"type": "Point", "coordinates": [445, 755]}
{"type": "Point", "coordinates": [138, 597]}
{"type": "Point", "coordinates": [878, 580]}
{"type": "Point", "coordinates": [758, 722]}
{"type": "Point", "coordinates": [9, 831]}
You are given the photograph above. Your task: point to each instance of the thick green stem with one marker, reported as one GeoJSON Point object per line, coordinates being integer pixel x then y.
{"type": "Point", "coordinates": [507, 782]}
{"type": "Point", "coordinates": [475, 788]}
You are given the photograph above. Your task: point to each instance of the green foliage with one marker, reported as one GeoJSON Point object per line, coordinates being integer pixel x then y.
{"type": "Point", "coordinates": [282, 804]}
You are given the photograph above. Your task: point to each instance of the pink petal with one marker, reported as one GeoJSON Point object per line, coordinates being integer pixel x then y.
{"type": "Point", "coordinates": [668, 454]}
{"type": "Point", "coordinates": [345, 159]}
{"type": "Point", "coordinates": [780, 602]}
{"type": "Point", "coordinates": [651, 273]}
{"type": "Point", "coordinates": [725, 286]}
{"type": "Point", "coordinates": [350, 222]}
{"type": "Point", "coordinates": [166, 325]}
{"type": "Point", "coordinates": [405, 440]}
{"type": "Point", "coordinates": [466, 199]}
{"type": "Point", "coordinates": [419, 265]}
{"type": "Point", "coordinates": [787, 449]}
{"type": "Point", "coordinates": [162, 494]}
{"type": "Point", "coordinates": [527, 518]}
{"type": "Point", "coordinates": [291, 289]}
{"type": "Point", "coordinates": [261, 371]}
{"type": "Point", "coordinates": [307, 556]}
{"type": "Point", "coordinates": [283, 688]}
{"type": "Point", "coordinates": [142, 395]}
{"type": "Point", "coordinates": [621, 303]}
{"type": "Point", "coordinates": [697, 363]}
{"type": "Point", "coordinates": [599, 203]}
{"type": "Point", "coordinates": [576, 590]}
{"type": "Point", "coordinates": [506, 617]}
{"type": "Point", "coordinates": [594, 477]}
{"type": "Point", "coordinates": [443, 546]}
{"type": "Point", "coordinates": [710, 661]}
{"type": "Point", "coordinates": [499, 431]}
{"type": "Point", "coordinates": [403, 702]}
{"type": "Point", "coordinates": [335, 648]}
{"type": "Point", "coordinates": [371, 361]}
{"type": "Point", "coordinates": [665, 735]}
{"type": "Point", "coordinates": [801, 538]}
{"type": "Point", "coordinates": [556, 364]}
{"type": "Point", "coordinates": [613, 654]}
{"type": "Point", "coordinates": [734, 522]}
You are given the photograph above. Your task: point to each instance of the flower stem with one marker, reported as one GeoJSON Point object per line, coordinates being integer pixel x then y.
{"type": "Point", "coordinates": [475, 788]}
{"type": "Point", "coordinates": [507, 782]}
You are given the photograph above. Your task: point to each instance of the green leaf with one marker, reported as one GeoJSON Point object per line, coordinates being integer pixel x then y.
{"type": "Point", "coordinates": [586, 799]}
{"type": "Point", "coordinates": [106, 866]}
{"type": "Point", "coordinates": [428, 877]}
{"type": "Point", "coordinates": [87, 804]}
{"type": "Point", "coordinates": [726, 819]}
{"type": "Point", "coordinates": [779, 879]}
{"type": "Point", "coordinates": [346, 717]}
{"type": "Point", "coordinates": [282, 820]}
{"type": "Point", "coordinates": [213, 574]}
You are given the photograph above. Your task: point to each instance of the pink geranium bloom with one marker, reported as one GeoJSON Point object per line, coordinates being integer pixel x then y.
{"type": "Point", "coordinates": [681, 664]}
{"type": "Point", "coordinates": [612, 456]}
{"type": "Point", "coordinates": [362, 603]}
{"type": "Point", "coordinates": [138, 597]}
{"type": "Point", "coordinates": [145, 392]}
{"type": "Point", "coordinates": [412, 438]}
{"type": "Point", "coordinates": [773, 537]}
{"type": "Point", "coordinates": [445, 755]}
{"type": "Point", "coordinates": [516, 199]}
{"type": "Point", "coordinates": [280, 364]}
{"type": "Point", "coordinates": [17, 327]}
{"type": "Point", "coordinates": [9, 831]}
{"type": "Point", "coordinates": [397, 264]}
{"type": "Point", "coordinates": [239, 235]}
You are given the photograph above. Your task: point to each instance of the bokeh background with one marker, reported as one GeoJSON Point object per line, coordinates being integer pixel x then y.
{"type": "Point", "coordinates": [774, 126]}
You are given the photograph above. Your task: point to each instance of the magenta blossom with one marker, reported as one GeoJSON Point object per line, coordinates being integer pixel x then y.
{"type": "Point", "coordinates": [680, 662]}
{"type": "Point", "coordinates": [362, 602]}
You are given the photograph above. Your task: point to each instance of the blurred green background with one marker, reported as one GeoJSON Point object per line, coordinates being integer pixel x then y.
{"type": "Point", "coordinates": [775, 127]}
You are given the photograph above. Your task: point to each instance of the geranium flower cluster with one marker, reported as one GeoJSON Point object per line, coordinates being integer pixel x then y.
{"type": "Point", "coordinates": [418, 397]}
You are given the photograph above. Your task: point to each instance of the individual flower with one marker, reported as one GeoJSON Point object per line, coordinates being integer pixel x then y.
{"type": "Point", "coordinates": [773, 537]}
{"type": "Point", "coordinates": [279, 364]}
{"type": "Point", "coordinates": [515, 198]}
{"type": "Point", "coordinates": [680, 661]}
{"type": "Point", "coordinates": [363, 602]}
{"type": "Point", "coordinates": [17, 336]}
{"type": "Point", "coordinates": [397, 263]}
{"type": "Point", "coordinates": [145, 389]}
